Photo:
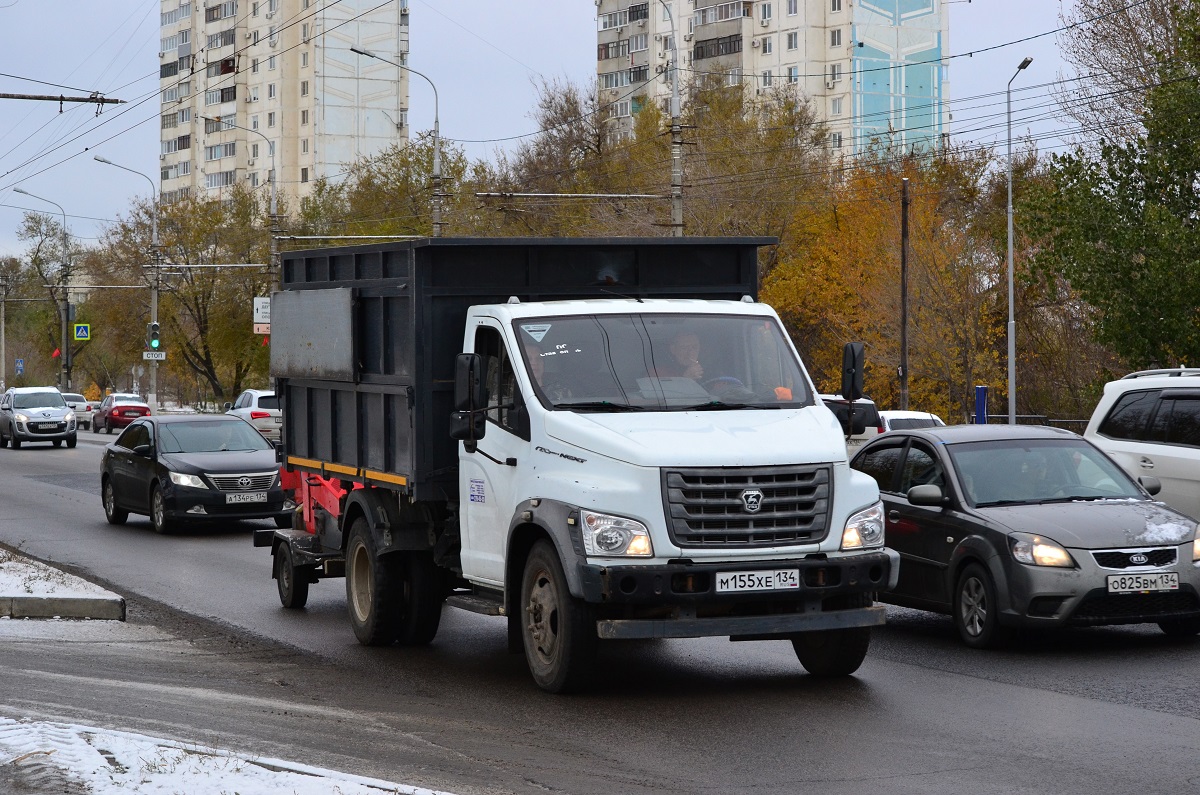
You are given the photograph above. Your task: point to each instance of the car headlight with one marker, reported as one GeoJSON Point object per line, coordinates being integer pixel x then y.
{"type": "Point", "coordinates": [1037, 551]}
{"type": "Point", "coordinates": [21, 417]}
{"type": "Point", "coordinates": [1196, 550]}
{"type": "Point", "coordinates": [614, 536]}
{"type": "Point", "coordinates": [70, 416]}
{"type": "Point", "coordinates": [864, 529]}
{"type": "Point", "coordinates": [180, 479]}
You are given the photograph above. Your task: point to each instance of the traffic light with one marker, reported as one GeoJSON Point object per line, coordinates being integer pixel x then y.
{"type": "Point", "coordinates": [153, 342]}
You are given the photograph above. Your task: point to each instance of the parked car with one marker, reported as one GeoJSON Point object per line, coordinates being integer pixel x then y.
{"type": "Point", "coordinates": [864, 411]}
{"type": "Point", "coordinates": [907, 420]}
{"type": "Point", "coordinates": [1149, 422]}
{"type": "Point", "coordinates": [191, 467]}
{"type": "Point", "coordinates": [260, 408]}
{"type": "Point", "coordinates": [118, 410]}
{"type": "Point", "coordinates": [36, 414]}
{"type": "Point", "coordinates": [82, 408]}
{"type": "Point", "coordinates": [1005, 526]}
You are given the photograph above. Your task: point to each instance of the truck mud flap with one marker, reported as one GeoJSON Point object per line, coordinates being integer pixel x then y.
{"type": "Point", "coordinates": [742, 627]}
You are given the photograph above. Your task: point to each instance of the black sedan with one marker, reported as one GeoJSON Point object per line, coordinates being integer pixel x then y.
{"type": "Point", "coordinates": [1022, 526]}
{"type": "Point", "coordinates": [180, 468]}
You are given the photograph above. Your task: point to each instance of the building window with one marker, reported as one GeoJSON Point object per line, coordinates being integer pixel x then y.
{"type": "Point", "coordinates": [304, 32]}
{"type": "Point", "coordinates": [217, 125]}
{"type": "Point", "coordinates": [766, 45]}
{"type": "Point", "coordinates": [304, 59]}
{"type": "Point", "coordinates": [271, 119]}
{"type": "Point", "coordinates": [254, 65]}
{"type": "Point", "coordinates": [253, 179]}
{"type": "Point", "coordinates": [185, 115]}
{"type": "Point", "coordinates": [221, 179]}
{"type": "Point", "coordinates": [793, 41]}
{"type": "Point", "coordinates": [734, 77]}
{"type": "Point", "coordinates": [304, 175]}
{"type": "Point", "coordinates": [254, 122]}
{"type": "Point", "coordinates": [639, 42]}
{"type": "Point", "coordinates": [170, 94]}
{"type": "Point", "coordinates": [639, 11]}
{"type": "Point", "coordinates": [713, 48]}
{"type": "Point", "coordinates": [170, 120]}
{"type": "Point", "coordinates": [835, 5]}
{"type": "Point", "coordinates": [225, 66]}
{"type": "Point", "coordinates": [766, 79]}
{"type": "Point", "coordinates": [835, 37]}
{"type": "Point", "coordinates": [304, 146]}
{"type": "Point", "coordinates": [304, 117]}
{"type": "Point", "coordinates": [793, 74]}
{"type": "Point", "coordinates": [835, 72]}
{"type": "Point", "coordinates": [835, 140]}
{"type": "Point", "coordinates": [835, 106]}
{"type": "Point", "coordinates": [270, 91]}
{"type": "Point", "coordinates": [271, 63]}
{"type": "Point", "coordinates": [253, 150]}
{"type": "Point", "coordinates": [220, 150]}
{"type": "Point", "coordinates": [168, 70]}
{"type": "Point", "coordinates": [793, 7]}
{"type": "Point", "coordinates": [612, 49]}
{"type": "Point", "coordinates": [304, 88]}
{"type": "Point", "coordinates": [254, 9]}
{"type": "Point", "coordinates": [223, 39]}
{"type": "Point", "coordinates": [764, 12]}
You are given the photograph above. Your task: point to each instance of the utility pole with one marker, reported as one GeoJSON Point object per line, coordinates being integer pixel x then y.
{"type": "Point", "coordinates": [904, 294]}
{"type": "Point", "coordinates": [676, 135]}
{"type": "Point", "coordinates": [3, 352]}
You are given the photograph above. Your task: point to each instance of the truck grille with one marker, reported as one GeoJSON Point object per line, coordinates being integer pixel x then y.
{"type": "Point", "coordinates": [714, 507]}
{"type": "Point", "coordinates": [1120, 558]}
{"type": "Point", "coordinates": [254, 481]}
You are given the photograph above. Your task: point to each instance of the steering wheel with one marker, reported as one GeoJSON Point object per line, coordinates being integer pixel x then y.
{"type": "Point", "coordinates": [726, 381]}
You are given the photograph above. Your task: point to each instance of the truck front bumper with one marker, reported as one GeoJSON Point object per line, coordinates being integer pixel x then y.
{"type": "Point", "coordinates": [682, 600]}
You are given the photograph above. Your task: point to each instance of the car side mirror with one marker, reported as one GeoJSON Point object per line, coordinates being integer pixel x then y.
{"type": "Point", "coordinates": [926, 494]}
{"type": "Point", "coordinates": [1151, 484]}
{"type": "Point", "coordinates": [228, 406]}
{"type": "Point", "coordinates": [143, 450]}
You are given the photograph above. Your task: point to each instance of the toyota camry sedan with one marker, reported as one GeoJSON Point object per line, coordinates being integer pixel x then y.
{"type": "Point", "coordinates": [188, 468]}
{"type": "Point", "coordinates": [1005, 526]}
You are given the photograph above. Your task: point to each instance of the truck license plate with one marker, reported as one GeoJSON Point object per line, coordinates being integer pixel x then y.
{"type": "Point", "coordinates": [745, 581]}
{"type": "Point", "coordinates": [1134, 583]}
{"type": "Point", "coordinates": [248, 496]}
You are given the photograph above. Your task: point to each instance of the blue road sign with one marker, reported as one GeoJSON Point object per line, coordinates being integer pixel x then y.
{"type": "Point", "coordinates": [83, 331]}
{"type": "Point", "coordinates": [20, 366]}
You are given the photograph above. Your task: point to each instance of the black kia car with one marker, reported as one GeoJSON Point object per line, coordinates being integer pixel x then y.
{"type": "Point", "coordinates": [189, 468]}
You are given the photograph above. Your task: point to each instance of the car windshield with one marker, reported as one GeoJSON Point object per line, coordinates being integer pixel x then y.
{"type": "Point", "coordinates": [72, 398]}
{"type": "Point", "coordinates": [116, 398]}
{"type": "Point", "coordinates": [661, 362]}
{"type": "Point", "coordinates": [1034, 471]}
{"type": "Point", "coordinates": [268, 401]}
{"type": "Point", "coordinates": [38, 400]}
{"type": "Point", "coordinates": [209, 437]}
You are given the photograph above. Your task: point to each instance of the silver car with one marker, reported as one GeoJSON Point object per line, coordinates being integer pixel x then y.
{"type": "Point", "coordinates": [36, 414]}
{"type": "Point", "coordinates": [82, 407]}
{"type": "Point", "coordinates": [260, 408]}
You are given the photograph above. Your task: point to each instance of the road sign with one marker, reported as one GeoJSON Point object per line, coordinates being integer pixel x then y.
{"type": "Point", "coordinates": [20, 366]}
{"type": "Point", "coordinates": [262, 310]}
{"type": "Point", "coordinates": [262, 328]}
{"type": "Point", "coordinates": [155, 356]}
{"type": "Point", "coordinates": [83, 332]}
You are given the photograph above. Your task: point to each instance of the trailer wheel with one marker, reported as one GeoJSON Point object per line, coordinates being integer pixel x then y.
{"type": "Point", "coordinates": [372, 588]}
{"type": "Point", "coordinates": [421, 600]}
{"type": "Point", "coordinates": [558, 630]}
{"type": "Point", "coordinates": [834, 652]}
{"type": "Point", "coordinates": [291, 581]}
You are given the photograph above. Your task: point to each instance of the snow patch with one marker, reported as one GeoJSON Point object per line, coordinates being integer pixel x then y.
{"type": "Point", "coordinates": [20, 576]}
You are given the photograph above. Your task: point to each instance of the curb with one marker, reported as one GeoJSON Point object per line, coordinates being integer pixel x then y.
{"type": "Point", "coordinates": [98, 607]}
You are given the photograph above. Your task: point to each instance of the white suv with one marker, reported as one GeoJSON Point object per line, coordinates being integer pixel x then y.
{"type": "Point", "coordinates": [1149, 422]}
{"type": "Point", "coordinates": [260, 408]}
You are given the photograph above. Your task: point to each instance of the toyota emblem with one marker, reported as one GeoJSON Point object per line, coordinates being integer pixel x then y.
{"type": "Point", "coordinates": [1138, 559]}
{"type": "Point", "coordinates": [752, 499]}
{"type": "Point", "coordinates": [244, 482]}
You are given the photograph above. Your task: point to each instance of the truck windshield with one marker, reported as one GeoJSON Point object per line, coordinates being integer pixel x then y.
{"type": "Point", "coordinates": [661, 362]}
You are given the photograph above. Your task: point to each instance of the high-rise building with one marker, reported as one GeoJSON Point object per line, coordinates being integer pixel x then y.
{"type": "Point", "coordinates": [251, 85]}
{"type": "Point", "coordinates": [874, 70]}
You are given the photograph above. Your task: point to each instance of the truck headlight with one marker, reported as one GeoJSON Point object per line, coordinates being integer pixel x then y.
{"type": "Point", "coordinates": [614, 536]}
{"type": "Point", "coordinates": [864, 529]}
{"type": "Point", "coordinates": [180, 479]}
{"type": "Point", "coordinates": [1037, 551]}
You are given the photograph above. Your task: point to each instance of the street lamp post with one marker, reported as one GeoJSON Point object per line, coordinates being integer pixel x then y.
{"type": "Point", "coordinates": [157, 264]}
{"type": "Point", "coordinates": [437, 139]}
{"type": "Point", "coordinates": [1012, 323]}
{"type": "Point", "coordinates": [64, 372]}
{"type": "Point", "coordinates": [676, 135]}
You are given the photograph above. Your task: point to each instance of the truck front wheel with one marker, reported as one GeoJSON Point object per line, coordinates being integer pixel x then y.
{"type": "Point", "coordinates": [833, 652]}
{"type": "Point", "coordinates": [372, 585]}
{"type": "Point", "coordinates": [558, 630]}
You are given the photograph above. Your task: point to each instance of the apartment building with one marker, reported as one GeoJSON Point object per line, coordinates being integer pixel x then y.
{"type": "Point", "coordinates": [254, 85]}
{"type": "Point", "coordinates": [875, 70]}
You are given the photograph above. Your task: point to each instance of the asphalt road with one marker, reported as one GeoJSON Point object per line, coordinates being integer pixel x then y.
{"type": "Point", "coordinates": [209, 655]}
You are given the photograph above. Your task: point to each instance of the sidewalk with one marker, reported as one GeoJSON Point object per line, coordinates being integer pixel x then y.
{"type": "Point", "coordinates": [44, 756]}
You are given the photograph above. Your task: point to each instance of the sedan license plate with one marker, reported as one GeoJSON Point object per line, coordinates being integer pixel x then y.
{"type": "Point", "coordinates": [133, 414]}
{"type": "Point", "coordinates": [1135, 583]}
{"type": "Point", "coordinates": [247, 496]}
{"type": "Point", "coordinates": [748, 581]}
{"type": "Point", "coordinates": [45, 426]}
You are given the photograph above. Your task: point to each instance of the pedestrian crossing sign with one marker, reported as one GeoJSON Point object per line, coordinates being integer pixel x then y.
{"type": "Point", "coordinates": [83, 331]}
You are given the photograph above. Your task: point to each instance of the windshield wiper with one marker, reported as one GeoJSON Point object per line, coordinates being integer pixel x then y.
{"type": "Point", "coordinates": [1078, 498]}
{"type": "Point", "coordinates": [995, 503]}
{"type": "Point", "coordinates": [599, 405]}
{"type": "Point", "coordinates": [718, 405]}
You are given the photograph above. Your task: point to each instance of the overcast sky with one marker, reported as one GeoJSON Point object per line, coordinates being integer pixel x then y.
{"type": "Point", "coordinates": [486, 57]}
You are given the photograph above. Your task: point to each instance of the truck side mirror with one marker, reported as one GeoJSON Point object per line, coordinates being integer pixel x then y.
{"type": "Point", "coordinates": [852, 371]}
{"type": "Point", "coordinates": [468, 422]}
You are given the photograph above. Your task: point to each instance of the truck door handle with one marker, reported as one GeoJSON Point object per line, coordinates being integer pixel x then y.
{"type": "Point", "coordinates": [1146, 463]}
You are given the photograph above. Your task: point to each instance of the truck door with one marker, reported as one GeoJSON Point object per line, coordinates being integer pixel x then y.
{"type": "Point", "coordinates": [488, 477]}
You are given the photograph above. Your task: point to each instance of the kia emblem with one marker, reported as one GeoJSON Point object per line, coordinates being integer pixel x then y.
{"type": "Point", "coordinates": [752, 499]}
{"type": "Point", "coordinates": [244, 482]}
{"type": "Point", "coordinates": [1138, 559]}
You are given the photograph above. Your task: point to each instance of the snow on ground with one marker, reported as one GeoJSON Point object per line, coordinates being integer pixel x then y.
{"type": "Point", "coordinates": [20, 576]}
{"type": "Point", "coordinates": [63, 757]}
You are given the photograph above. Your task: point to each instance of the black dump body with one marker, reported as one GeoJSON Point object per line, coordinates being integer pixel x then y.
{"type": "Point", "coordinates": [364, 338]}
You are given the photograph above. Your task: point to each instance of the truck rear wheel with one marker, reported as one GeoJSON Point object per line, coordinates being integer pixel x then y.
{"type": "Point", "coordinates": [291, 581]}
{"type": "Point", "coordinates": [421, 600]}
{"type": "Point", "coordinates": [372, 583]}
{"type": "Point", "coordinates": [558, 630]}
{"type": "Point", "coordinates": [833, 652]}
